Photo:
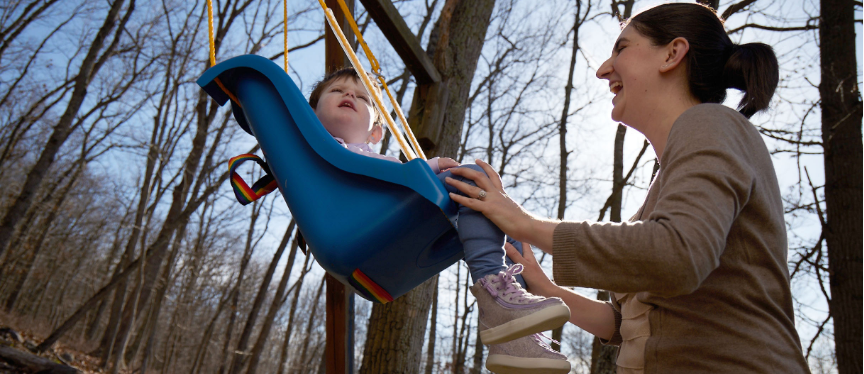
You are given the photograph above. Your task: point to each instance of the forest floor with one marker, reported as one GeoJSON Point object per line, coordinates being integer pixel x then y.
{"type": "Point", "coordinates": [23, 340]}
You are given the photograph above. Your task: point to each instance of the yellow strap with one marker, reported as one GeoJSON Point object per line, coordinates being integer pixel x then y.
{"type": "Point", "coordinates": [285, 23]}
{"type": "Point", "coordinates": [376, 69]}
{"type": "Point", "coordinates": [210, 30]}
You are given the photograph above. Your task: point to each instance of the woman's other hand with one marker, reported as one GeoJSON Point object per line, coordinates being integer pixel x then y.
{"type": "Point", "coordinates": [537, 281]}
{"type": "Point", "coordinates": [499, 208]}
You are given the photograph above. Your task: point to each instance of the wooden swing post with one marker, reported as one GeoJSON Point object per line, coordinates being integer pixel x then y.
{"type": "Point", "coordinates": [339, 350]}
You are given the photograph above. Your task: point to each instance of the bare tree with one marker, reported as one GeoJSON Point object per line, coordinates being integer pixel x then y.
{"type": "Point", "coordinates": [89, 68]}
{"type": "Point", "coordinates": [841, 140]}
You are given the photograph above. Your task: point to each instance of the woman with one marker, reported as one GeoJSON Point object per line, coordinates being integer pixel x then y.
{"type": "Point", "coordinates": [698, 276]}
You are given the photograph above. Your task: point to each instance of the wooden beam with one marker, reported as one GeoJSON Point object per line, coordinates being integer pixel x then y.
{"type": "Point", "coordinates": [339, 349]}
{"type": "Point", "coordinates": [403, 40]}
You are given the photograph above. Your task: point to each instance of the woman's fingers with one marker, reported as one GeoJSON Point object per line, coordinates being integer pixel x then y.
{"type": "Point", "coordinates": [466, 201]}
{"type": "Point", "coordinates": [471, 191]}
{"type": "Point", "coordinates": [513, 253]}
{"type": "Point", "coordinates": [528, 252]}
{"type": "Point", "coordinates": [480, 179]}
{"type": "Point", "coordinates": [492, 174]}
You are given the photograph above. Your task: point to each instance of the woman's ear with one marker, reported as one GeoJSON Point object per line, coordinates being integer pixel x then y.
{"type": "Point", "coordinates": [376, 135]}
{"type": "Point", "coordinates": [676, 50]}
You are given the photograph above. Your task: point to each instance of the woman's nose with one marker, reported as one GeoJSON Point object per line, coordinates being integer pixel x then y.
{"type": "Point", "coordinates": [605, 69]}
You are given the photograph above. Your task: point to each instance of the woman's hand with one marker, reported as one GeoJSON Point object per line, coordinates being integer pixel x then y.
{"type": "Point", "coordinates": [537, 281]}
{"type": "Point", "coordinates": [499, 208]}
{"type": "Point", "coordinates": [591, 315]}
{"type": "Point", "coordinates": [496, 205]}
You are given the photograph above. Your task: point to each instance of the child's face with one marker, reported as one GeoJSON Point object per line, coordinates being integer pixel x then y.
{"type": "Point", "coordinates": [346, 111]}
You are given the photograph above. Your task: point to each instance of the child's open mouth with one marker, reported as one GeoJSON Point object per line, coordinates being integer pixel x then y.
{"type": "Point", "coordinates": [347, 104]}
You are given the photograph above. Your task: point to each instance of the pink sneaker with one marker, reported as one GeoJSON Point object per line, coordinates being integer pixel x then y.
{"type": "Point", "coordinates": [507, 311]}
{"type": "Point", "coordinates": [526, 355]}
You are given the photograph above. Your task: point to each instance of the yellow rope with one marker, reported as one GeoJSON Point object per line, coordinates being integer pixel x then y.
{"type": "Point", "coordinates": [210, 30]}
{"type": "Point", "coordinates": [213, 52]}
{"type": "Point", "coordinates": [376, 69]}
{"type": "Point", "coordinates": [285, 23]}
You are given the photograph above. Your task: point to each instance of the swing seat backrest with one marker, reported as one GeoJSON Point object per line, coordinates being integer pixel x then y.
{"type": "Point", "coordinates": [378, 226]}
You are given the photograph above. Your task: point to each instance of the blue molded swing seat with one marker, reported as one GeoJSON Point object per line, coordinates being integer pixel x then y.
{"type": "Point", "coordinates": [390, 221]}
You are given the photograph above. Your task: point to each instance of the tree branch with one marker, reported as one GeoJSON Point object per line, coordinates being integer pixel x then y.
{"type": "Point", "coordinates": [772, 28]}
{"type": "Point", "coordinates": [737, 7]}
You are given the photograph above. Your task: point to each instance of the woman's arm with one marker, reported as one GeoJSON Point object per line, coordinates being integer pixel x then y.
{"type": "Point", "coordinates": [593, 316]}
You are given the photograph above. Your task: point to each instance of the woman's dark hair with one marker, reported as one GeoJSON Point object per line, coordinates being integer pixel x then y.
{"type": "Point", "coordinates": [714, 63]}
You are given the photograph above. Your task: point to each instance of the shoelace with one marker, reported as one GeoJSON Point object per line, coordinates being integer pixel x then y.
{"type": "Point", "coordinates": [542, 343]}
{"type": "Point", "coordinates": [511, 286]}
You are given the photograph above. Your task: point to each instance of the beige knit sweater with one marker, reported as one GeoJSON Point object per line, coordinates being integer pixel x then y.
{"type": "Point", "coordinates": [706, 254]}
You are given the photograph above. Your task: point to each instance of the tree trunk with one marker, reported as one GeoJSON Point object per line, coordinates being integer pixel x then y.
{"type": "Point", "coordinates": [841, 138]}
{"type": "Point", "coordinates": [301, 367]}
{"type": "Point", "coordinates": [477, 368]}
{"type": "Point", "coordinates": [433, 327]}
{"type": "Point", "coordinates": [454, 358]}
{"type": "Point", "coordinates": [104, 350]}
{"type": "Point", "coordinates": [276, 305]}
{"type": "Point", "coordinates": [162, 289]}
{"type": "Point", "coordinates": [558, 333]}
{"type": "Point", "coordinates": [240, 353]}
{"type": "Point", "coordinates": [201, 353]}
{"type": "Point", "coordinates": [235, 293]}
{"type": "Point", "coordinates": [30, 258]}
{"type": "Point", "coordinates": [396, 330]}
{"type": "Point", "coordinates": [283, 356]}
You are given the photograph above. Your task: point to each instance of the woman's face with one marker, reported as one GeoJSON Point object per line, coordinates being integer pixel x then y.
{"type": "Point", "coordinates": [633, 72]}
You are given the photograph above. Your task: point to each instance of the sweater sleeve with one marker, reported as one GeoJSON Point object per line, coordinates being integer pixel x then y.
{"type": "Point", "coordinates": [701, 188]}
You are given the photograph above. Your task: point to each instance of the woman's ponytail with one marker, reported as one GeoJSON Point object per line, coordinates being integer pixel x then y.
{"type": "Point", "coordinates": [753, 69]}
{"type": "Point", "coordinates": [714, 63]}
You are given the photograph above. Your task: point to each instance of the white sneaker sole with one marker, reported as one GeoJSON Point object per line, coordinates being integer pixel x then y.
{"type": "Point", "coordinates": [544, 320]}
{"type": "Point", "coordinates": [501, 364]}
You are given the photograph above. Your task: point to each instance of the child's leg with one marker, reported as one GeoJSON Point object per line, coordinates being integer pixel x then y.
{"type": "Point", "coordinates": [507, 311]}
{"type": "Point", "coordinates": [482, 241]}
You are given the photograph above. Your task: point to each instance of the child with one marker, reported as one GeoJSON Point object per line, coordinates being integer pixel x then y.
{"type": "Point", "coordinates": [507, 310]}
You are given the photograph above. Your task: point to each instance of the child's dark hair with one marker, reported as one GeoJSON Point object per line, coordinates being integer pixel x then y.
{"type": "Point", "coordinates": [349, 72]}
{"type": "Point", "coordinates": [714, 62]}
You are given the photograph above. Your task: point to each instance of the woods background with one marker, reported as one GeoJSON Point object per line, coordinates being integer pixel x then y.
{"type": "Point", "coordinates": [120, 238]}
